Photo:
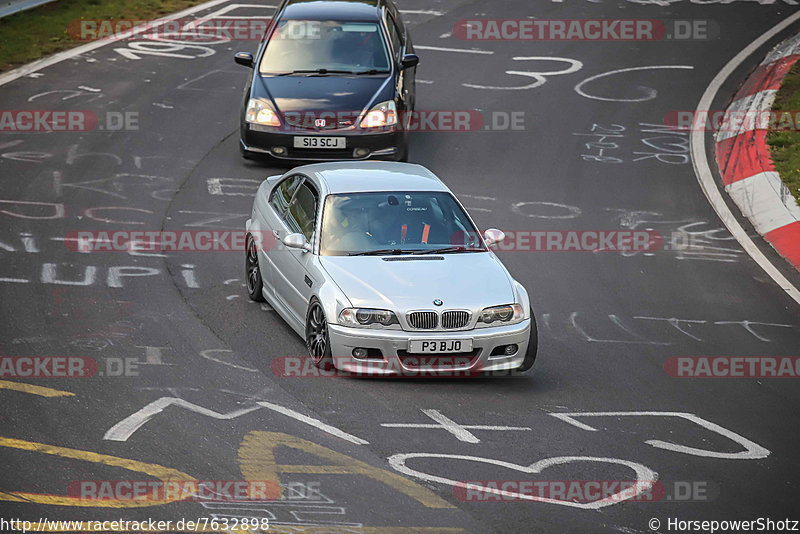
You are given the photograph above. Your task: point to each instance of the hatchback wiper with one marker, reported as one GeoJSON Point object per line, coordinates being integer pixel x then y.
{"type": "Point", "coordinates": [447, 250]}
{"type": "Point", "coordinates": [379, 252]}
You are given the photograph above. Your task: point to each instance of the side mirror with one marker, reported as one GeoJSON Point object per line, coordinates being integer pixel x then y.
{"type": "Point", "coordinates": [297, 241]}
{"type": "Point", "coordinates": [493, 236]}
{"type": "Point", "coordinates": [244, 58]}
{"type": "Point", "coordinates": [409, 60]}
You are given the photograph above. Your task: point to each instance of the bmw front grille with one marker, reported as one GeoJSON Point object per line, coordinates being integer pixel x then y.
{"type": "Point", "coordinates": [424, 320]}
{"type": "Point", "coordinates": [455, 319]}
{"type": "Point", "coordinates": [429, 320]}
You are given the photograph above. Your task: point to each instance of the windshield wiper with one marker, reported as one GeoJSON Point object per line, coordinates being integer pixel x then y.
{"type": "Point", "coordinates": [324, 72]}
{"type": "Point", "coordinates": [379, 252]}
{"type": "Point", "coordinates": [310, 72]}
{"type": "Point", "coordinates": [447, 250]}
{"type": "Point", "coordinates": [370, 71]}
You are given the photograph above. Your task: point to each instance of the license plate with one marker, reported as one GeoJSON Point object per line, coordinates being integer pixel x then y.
{"type": "Point", "coordinates": [439, 346]}
{"type": "Point", "coordinates": [320, 142]}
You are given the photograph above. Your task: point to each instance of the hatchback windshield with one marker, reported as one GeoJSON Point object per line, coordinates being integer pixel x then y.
{"type": "Point", "coordinates": [309, 46]}
{"type": "Point", "coordinates": [415, 222]}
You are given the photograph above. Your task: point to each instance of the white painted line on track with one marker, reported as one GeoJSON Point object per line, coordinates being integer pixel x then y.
{"type": "Point", "coordinates": [645, 477]}
{"type": "Point", "coordinates": [706, 178]}
{"type": "Point", "coordinates": [125, 428]}
{"type": "Point", "coordinates": [26, 70]}
{"type": "Point", "coordinates": [458, 50]}
{"type": "Point", "coordinates": [462, 432]}
{"type": "Point", "coordinates": [651, 93]}
{"type": "Point", "coordinates": [230, 7]}
{"type": "Point", "coordinates": [421, 12]}
{"type": "Point", "coordinates": [128, 426]}
{"type": "Point", "coordinates": [753, 451]}
{"type": "Point", "coordinates": [207, 354]}
{"type": "Point", "coordinates": [313, 422]}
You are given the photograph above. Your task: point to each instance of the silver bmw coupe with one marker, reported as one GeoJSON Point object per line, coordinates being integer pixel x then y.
{"type": "Point", "coordinates": [381, 270]}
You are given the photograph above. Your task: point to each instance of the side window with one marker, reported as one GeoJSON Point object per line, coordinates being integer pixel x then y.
{"type": "Point", "coordinates": [394, 37]}
{"type": "Point", "coordinates": [394, 13]}
{"type": "Point", "coordinates": [282, 195]}
{"type": "Point", "coordinates": [302, 212]}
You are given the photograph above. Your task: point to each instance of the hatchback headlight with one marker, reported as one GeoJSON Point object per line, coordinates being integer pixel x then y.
{"type": "Point", "coordinates": [508, 314]}
{"type": "Point", "coordinates": [383, 114]}
{"type": "Point", "coordinates": [259, 111]}
{"type": "Point", "coordinates": [366, 317]}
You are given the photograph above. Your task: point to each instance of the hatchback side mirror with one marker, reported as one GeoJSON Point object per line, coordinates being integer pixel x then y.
{"type": "Point", "coordinates": [493, 236]}
{"type": "Point", "coordinates": [244, 58]}
{"type": "Point", "coordinates": [409, 60]}
{"type": "Point", "coordinates": [297, 241]}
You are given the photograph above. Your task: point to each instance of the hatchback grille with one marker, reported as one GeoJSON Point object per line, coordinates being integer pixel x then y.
{"type": "Point", "coordinates": [423, 320]}
{"type": "Point", "coordinates": [304, 122]}
{"type": "Point", "coordinates": [455, 319]}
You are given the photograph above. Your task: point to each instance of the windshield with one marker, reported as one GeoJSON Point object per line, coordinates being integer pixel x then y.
{"type": "Point", "coordinates": [308, 46]}
{"type": "Point", "coordinates": [396, 223]}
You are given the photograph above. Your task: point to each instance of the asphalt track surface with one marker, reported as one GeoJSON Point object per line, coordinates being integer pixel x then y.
{"type": "Point", "coordinates": [605, 329]}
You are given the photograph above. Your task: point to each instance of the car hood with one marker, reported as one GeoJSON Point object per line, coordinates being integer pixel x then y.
{"type": "Point", "coordinates": [470, 281]}
{"type": "Point", "coordinates": [319, 93]}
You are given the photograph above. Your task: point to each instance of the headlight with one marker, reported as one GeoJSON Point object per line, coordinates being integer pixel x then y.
{"type": "Point", "coordinates": [259, 111]}
{"type": "Point", "coordinates": [366, 317]}
{"type": "Point", "coordinates": [384, 114]}
{"type": "Point", "coordinates": [510, 314]}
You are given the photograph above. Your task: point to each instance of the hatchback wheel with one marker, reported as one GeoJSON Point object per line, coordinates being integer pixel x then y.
{"type": "Point", "coordinates": [252, 273]}
{"type": "Point", "coordinates": [317, 339]}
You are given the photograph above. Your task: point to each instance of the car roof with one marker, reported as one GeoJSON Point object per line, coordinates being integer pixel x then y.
{"type": "Point", "coordinates": [350, 10]}
{"type": "Point", "coordinates": [373, 176]}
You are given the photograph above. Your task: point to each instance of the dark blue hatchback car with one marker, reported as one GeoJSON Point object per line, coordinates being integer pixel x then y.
{"type": "Point", "coordinates": [332, 80]}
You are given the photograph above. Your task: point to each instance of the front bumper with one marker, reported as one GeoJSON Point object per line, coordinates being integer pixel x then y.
{"type": "Point", "coordinates": [396, 360]}
{"type": "Point", "coordinates": [359, 145]}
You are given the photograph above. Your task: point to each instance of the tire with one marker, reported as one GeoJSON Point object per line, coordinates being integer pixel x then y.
{"type": "Point", "coordinates": [252, 274]}
{"type": "Point", "coordinates": [533, 347]}
{"type": "Point", "coordinates": [318, 342]}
